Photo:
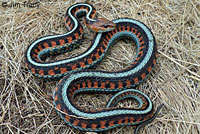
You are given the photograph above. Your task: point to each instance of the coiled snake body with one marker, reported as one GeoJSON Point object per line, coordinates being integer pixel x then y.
{"type": "Point", "coordinates": [78, 80]}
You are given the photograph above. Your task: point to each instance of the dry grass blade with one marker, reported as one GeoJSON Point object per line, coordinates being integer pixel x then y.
{"type": "Point", "coordinates": [3, 113]}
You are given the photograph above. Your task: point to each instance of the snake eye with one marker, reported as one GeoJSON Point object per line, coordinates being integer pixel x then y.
{"type": "Point", "coordinates": [105, 26]}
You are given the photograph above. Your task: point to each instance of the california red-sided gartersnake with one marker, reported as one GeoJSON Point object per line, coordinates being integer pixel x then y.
{"type": "Point", "coordinates": [79, 79]}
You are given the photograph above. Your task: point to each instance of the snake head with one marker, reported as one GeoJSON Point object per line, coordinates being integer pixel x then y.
{"type": "Point", "coordinates": [102, 25]}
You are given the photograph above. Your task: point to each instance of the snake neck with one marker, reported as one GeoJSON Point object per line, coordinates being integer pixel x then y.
{"type": "Point", "coordinates": [97, 25]}
{"type": "Point", "coordinates": [78, 10]}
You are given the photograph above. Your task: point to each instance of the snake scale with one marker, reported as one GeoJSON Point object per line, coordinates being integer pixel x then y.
{"type": "Point", "coordinates": [78, 78]}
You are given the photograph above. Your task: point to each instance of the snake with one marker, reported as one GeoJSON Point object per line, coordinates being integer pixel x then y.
{"type": "Point", "coordinates": [76, 75]}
